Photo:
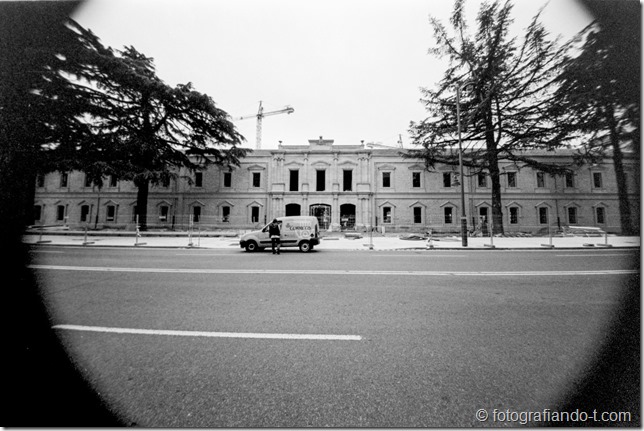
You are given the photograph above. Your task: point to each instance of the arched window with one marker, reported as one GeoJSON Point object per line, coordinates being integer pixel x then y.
{"type": "Point", "coordinates": [293, 210]}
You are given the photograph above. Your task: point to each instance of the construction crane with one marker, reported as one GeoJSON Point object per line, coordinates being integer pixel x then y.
{"type": "Point", "coordinates": [260, 115]}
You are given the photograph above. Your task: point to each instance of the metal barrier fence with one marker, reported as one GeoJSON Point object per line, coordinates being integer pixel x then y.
{"type": "Point", "coordinates": [199, 223]}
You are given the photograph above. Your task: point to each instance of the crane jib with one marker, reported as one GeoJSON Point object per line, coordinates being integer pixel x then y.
{"type": "Point", "coordinates": [261, 114]}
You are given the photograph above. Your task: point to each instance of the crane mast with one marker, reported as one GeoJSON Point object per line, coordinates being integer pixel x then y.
{"type": "Point", "coordinates": [260, 115]}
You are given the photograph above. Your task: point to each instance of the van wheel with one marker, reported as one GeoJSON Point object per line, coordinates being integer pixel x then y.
{"type": "Point", "coordinates": [251, 246]}
{"type": "Point", "coordinates": [305, 246]}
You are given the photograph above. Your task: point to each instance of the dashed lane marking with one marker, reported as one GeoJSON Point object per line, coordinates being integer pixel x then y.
{"type": "Point", "coordinates": [208, 254]}
{"type": "Point", "coordinates": [406, 255]}
{"type": "Point", "coordinates": [424, 255]}
{"type": "Point", "coordinates": [320, 337]}
{"type": "Point", "coordinates": [594, 255]}
{"type": "Point", "coordinates": [332, 271]}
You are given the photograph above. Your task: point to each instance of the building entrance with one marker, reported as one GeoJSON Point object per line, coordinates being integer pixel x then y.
{"type": "Point", "coordinates": [292, 210]}
{"type": "Point", "coordinates": [323, 213]}
{"type": "Point", "coordinates": [482, 223]}
{"type": "Point", "coordinates": [347, 217]}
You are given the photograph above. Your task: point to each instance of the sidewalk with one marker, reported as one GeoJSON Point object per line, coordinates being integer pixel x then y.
{"type": "Point", "coordinates": [336, 242]}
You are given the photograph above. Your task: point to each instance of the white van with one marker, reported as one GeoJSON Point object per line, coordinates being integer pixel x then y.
{"type": "Point", "coordinates": [296, 231]}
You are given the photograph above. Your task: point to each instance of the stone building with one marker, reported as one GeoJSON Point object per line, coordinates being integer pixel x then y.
{"type": "Point", "coordinates": [348, 187]}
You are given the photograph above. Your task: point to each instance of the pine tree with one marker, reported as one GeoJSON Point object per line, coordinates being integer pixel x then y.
{"type": "Point", "coordinates": [505, 107]}
{"type": "Point", "coordinates": [110, 114]}
{"type": "Point", "coordinates": [599, 100]}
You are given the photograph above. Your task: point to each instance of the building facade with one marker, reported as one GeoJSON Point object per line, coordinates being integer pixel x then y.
{"type": "Point", "coordinates": [348, 187]}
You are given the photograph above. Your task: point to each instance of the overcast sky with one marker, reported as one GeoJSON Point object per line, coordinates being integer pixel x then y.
{"type": "Point", "coordinates": [351, 69]}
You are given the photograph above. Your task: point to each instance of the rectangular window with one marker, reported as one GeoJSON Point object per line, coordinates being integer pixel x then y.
{"type": "Point", "coordinates": [227, 179]}
{"type": "Point", "coordinates": [165, 182]}
{"type": "Point", "coordinates": [60, 213]}
{"type": "Point", "coordinates": [321, 180]}
{"type": "Point", "coordinates": [448, 213]}
{"type": "Point", "coordinates": [386, 179]}
{"type": "Point", "coordinates": [113, 181]}
{"type": "Point", "coordinates": [40, 180]}
{"type": "Point", "coordinates": [600, 212]}
{"type": "Point", "coordinates": [512, 179]}
{"type": "Point", "coordinates": [196, 214]}
{"type": "Point", "coordinates": [415, 179]}
{"type": "Point", "coordinates": [570, 180]}
{"type": "Point", "coordinates": [64, 179]}
{"type": "Point", "coordinates": [257, 179]}
{"type": "Point", "coordinates": [111, 213]}
{"type": "Point", "coordinates": [482, 179]}
{"type": "Point", "coordinates": [294, 180]}
{"type": "Point", "coordinates": [541, 179]}
{"type": "Point", "coordinates": [418, 215]}
{"type": "Point", "coordinates": [84, 216]}
{"type": "Point", "coordinates": [163, 213]}
{"type": "Point", "coordinates": [597, 180]}
{"type": "Point", "coordinates": [514, 215]}
{"type": "Point", "coordinates": [347, 180]}
{"type": "Point", "coordinates": [225, 214]}
{"type": "Point", "coordinates": [198, 179]}
{"type": "Point", "coordinates": [447, 179]}
{"type": "Point", "coordinates": [88, 181]}
{"type": "Point", "coordinates": [37, 212]}
{"type": "Point", "coordinates": [543, 215]}
{"type": "Point", "coordinates": [572, 215]}
{"type": "Point", "coordinates": [254, 214]}
{"type": "Point", "coordinates": [386, 214]}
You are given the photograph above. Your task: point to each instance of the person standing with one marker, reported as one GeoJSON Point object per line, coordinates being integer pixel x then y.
{"type": "Point", "coordinates": [274, 233]}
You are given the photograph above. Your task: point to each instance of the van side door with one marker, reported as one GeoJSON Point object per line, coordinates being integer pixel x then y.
{"type": "Point", "coordinates": [264, 238]}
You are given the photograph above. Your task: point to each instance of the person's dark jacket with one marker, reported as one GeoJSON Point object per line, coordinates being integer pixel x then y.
{"type": "Point", "coordinates": [273, 229]}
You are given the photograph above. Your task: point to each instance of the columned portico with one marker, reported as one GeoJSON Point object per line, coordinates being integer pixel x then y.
{"type": "Point", "coordinates": [277, 205]}
{"type": "Point", "coordinates": [335, 220]}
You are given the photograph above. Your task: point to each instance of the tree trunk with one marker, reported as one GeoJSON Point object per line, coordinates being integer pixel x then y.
{"type": "Point", "coordinates": [622, 189]}
{"type": "Point", "coordinates": [143, 187]}
{"type": "Point", "coordinates": [98, 206]}
{"type": "Point", "coordinates": [620, 176]}
{"type": "Point", "coordinates": [495, 174]}
{"type": "Point", "coordinates": [637, 154]}
{"type": "Point", "coordinates": [622, 193]}
{"type": "Point", "coordinates": [495, 179]}
{"type": "Point", "coordinates": [636, 192]}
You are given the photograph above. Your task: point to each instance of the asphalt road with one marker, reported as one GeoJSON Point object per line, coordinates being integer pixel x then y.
{"type": "Point", "coordinates": [405, 339]}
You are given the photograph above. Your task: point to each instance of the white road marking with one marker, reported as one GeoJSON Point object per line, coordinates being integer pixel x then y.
{"type": "Point", "coordinates": [45, 251]}
{"type": "Point", "coordinates": [331, 271]}
{"type": "Point", "coordinates": [324, 337]}
{"type": "Point", "coordinates": [593, 255]}
{"type": "Point", "coordinates": [374, 255]}
{"type": "Point", "coordinates": [423, 255]}
{"type": "Point", "coordinates": [207, 254]}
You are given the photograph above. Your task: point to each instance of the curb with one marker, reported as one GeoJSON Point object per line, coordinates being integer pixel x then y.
{"type": "Point", "coordinates": [178, 247]}
{"type": "Point", "coordinates": [131, 234]}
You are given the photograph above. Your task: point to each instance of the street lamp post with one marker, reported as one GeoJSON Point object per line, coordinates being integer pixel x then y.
{"type": "Point", "coordinates": [460, 163]}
